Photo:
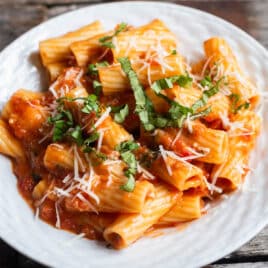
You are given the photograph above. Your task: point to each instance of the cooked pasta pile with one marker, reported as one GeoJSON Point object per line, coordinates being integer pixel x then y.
{"type": "Point", "coordinates": [128, 136]}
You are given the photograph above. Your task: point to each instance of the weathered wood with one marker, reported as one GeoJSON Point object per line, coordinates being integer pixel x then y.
{"type": "Point", "coordinates": [258, 246]}
{"type": "Point", "coordinates": [240, 265]}
{"type": "Point", "coordinates": [17, 16]}
{"type": "Point", "coordinates": [8, 256]}
{"type": "Point", "coordinates": [17, 19]}
{"type": "Point", "coordinates": [65, 2]}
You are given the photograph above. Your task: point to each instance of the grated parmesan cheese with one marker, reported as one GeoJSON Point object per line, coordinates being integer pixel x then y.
{"type": "Point", "coordinates": [58, 222]}
{"type": "Point", "coordinates": [164, 156]}
{"type": "Point", "coordinates": [83, 199]}
{"type": "Point", "coordinates": [52, 89]}
{"type": "Point", "coordinates": [145, 172]}
{"type": "Point", "coordinates": [102, 118]}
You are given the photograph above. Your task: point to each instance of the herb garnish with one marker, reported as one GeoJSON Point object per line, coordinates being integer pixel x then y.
{"type": "Point", "coordinates": [76, 134]}
{"type": "Point", "coordinates": [213, 90]}
{"type": "Point", "coordinates": [121, 115]}
{"type": "Point", "coordinates": [63, 121]}
{"type": "Point", "coordinates": [206, 82]}
{"type": "Point", "coordinates": [106, 41]}
{"type": "Point", "coordinates": [93, 68]}
{"type": "Point", "coordinates": [97, 87]}
{"type": "Point", "coordinates": [125, 149]}
{"type": "Point", "coordinates": [164, 83]}
{"type": "Point", "coordinates": [235, 98]}
{"type": "Point", "coordinates": [144, 107]}
{"type": "Point", "coordinates": [177, 113]}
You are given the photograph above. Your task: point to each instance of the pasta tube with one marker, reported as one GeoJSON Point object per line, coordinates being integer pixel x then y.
{"type": "Point", "coordinates": [128, 228]}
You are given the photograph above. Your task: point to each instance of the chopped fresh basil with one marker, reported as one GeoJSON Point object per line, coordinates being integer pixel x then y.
{"type": "Point", "coordinates": [91, 105]}
{"type": "Point", "coordinates": [130, 160]}
{"type": "Point", "coordinates": [235, 98]}
{"type": "Point", "coordinates": [213, 90]}
{"type": "Point", "coordinates": [76, 134]}
{"type": "Point", "coordinates": [92, 138]}
{"type": "Point", "coordinates": [160, 84]}
{"type": "Point", "coordinates": [62, 121]}
{"type": "Point", "coordinates": [144, 107]}
{"type": "Point", "coordinates": [121, 115]}
{"type": "Point", "coordinates": [206, 82]}
{"type": "Point", "coordinates": [244, 105]}
{"type": "Point", "coordinates": [127, 146]}
{"type": "Point", "coordinates": [129, 186]}
{"type": "Point", "coordinates": [164, 83]}
{"type": "Point", "coordinates": [201, 114]}
{"type": "Point", "coordinates": [97, 87]}
{"type": "Point", "coordinates": [184, 81]}
{"type": "Point", "coordinates": [106, 41]}
{"type": "Point", "coordinates": [92, 69]}
{"type": "Point", "coordinates": [116, 109]}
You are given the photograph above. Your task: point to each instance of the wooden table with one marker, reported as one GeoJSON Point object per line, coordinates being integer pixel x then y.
{"type": "Point", "coordinates": [18, 16]}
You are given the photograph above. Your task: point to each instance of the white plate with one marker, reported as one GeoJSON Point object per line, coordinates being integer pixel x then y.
{"type": "Point", "coordinates": [226, 227]}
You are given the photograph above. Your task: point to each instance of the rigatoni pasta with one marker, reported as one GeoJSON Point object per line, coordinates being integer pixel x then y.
{"type": "Point", "coordinates": [58, 49]}
{"type": "Point", "coordinates": [128, 137]}
{"type": "Point", "coordinates": [128, 228]}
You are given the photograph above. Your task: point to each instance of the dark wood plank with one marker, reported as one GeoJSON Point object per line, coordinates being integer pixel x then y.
{"type": "Point", "coordinates": [240, 265]}
{"type": "Point", "coordinates": [8, 256]}
{"type": "Point", "coordinates": [66, 2]}
{"type": "Point", "coordinates": [17, 19]}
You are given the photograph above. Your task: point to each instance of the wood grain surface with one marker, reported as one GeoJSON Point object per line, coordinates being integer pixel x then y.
{"type": "Point", "coordinates": [18, 16]}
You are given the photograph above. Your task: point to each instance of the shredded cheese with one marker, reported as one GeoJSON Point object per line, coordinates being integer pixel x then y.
{"type": "Point", "coordinates": [37, 213]}
{"type": "Point", "coordinates": [78, 77]}
{"type": "Point", "coordinates": [52, 89]}
{"type": "Point", "coordinates": [83, 199]}
{"type": "Point", "coordinates": [145, 172]}
{"type": "Point", "coordinates": [206, 65]}
{"type": "Point", "coordinates": [211, 186]}
{"type": "Point", "coordinates": [176, 137]}
{"type": "Point", "coordinates": [58, 221]}
{"type": "Point", "coordinates": [188, 123]}
{"type": "Point", "coordinates": [164, 156]}
{"type": "Point", "coordinates": [101, 134]}
{"type": "Point", "coordinates": [103, 117]}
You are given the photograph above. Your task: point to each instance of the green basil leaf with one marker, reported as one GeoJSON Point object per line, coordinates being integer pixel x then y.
{"type": "Point", "coordinates": [116, 109]}
{"type": "Point", "coordinates": [106, 41]}
{"type": "Point", "coordinates": [201, 114]}
{"type": "Point", "coordinates": [126, 146]}
{"type": "Point", "coordinates": [130, 160]}
{"type": "Point", "coordinates": [184, 81]}
{"type": "Point", "coordinates": [92, 138]}
{"type": "Point", "coordinates": [206, 82]}
{"type": "Point", "coordinates": [129, 186]}
{"type": "Point", "coordinates": [76, 134]}
{"type": "Point", "coordinates": [60, 128]}
{"type": "Point", "coordinates": [144, 107]}
{"type": "Point", "coordinates": [97, 87]}
{"type": "Point", "coordinates": [120, 116]}
{"type": "Point", "coordinates": [235, 98]}
{"type": "Point", "coordinates": [160, 84]}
